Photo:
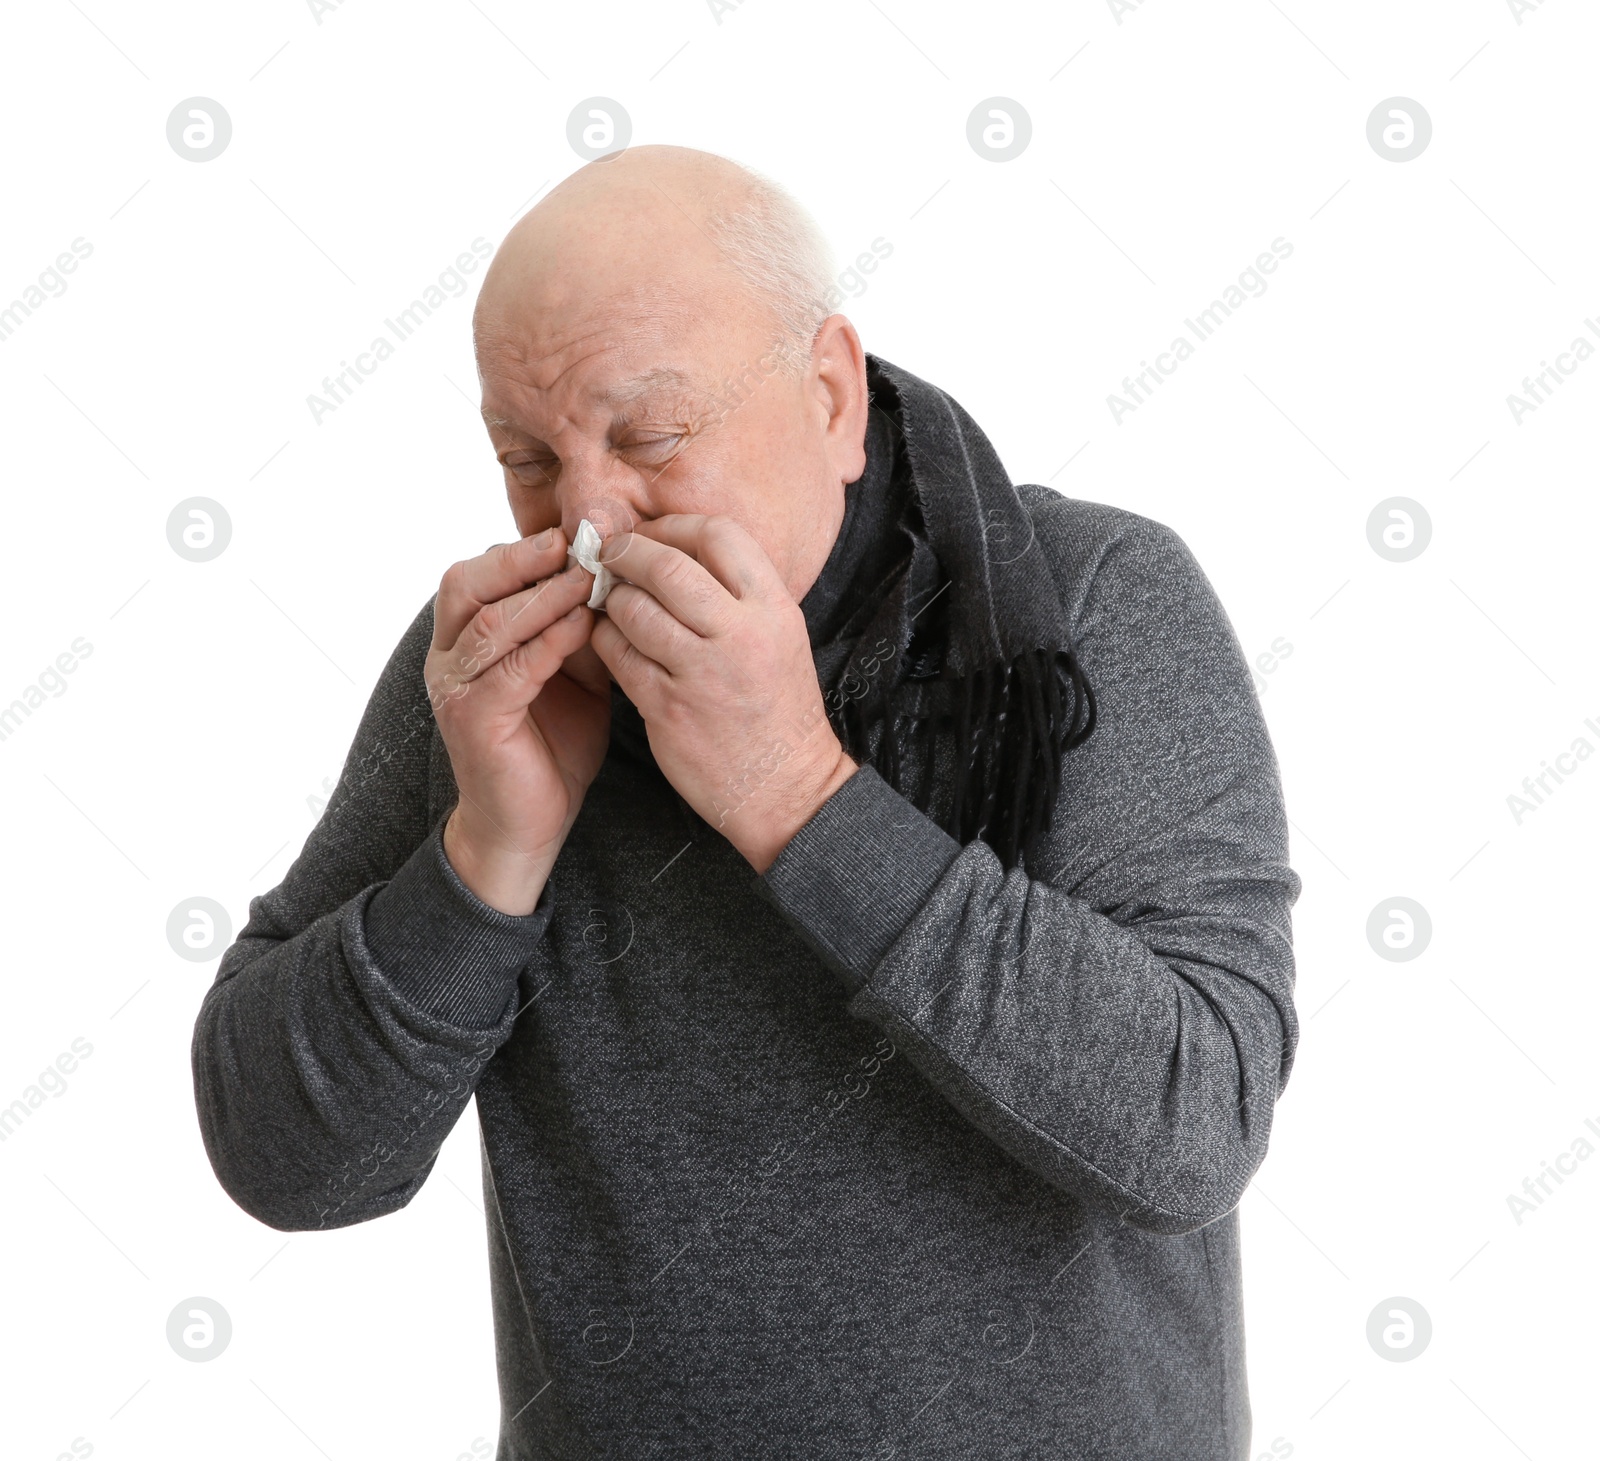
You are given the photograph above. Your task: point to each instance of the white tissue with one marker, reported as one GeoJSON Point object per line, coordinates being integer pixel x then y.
{"type": "Point", "coordinates": [586, 549]}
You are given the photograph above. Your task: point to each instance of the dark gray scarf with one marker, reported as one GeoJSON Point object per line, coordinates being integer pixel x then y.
{"type": "Point", "coordinates": [937, 631]}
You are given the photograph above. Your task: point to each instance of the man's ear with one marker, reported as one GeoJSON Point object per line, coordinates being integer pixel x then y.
{"type": "Point", "coordinates": [839, 371]}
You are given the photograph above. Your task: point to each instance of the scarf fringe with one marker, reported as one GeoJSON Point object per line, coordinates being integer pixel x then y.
{"type": "Point", "coordinates": [1010, 725]}
{"type": "Point", "coordinates": [1006, 725]}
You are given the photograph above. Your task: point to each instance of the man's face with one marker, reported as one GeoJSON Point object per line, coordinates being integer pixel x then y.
{"type": "Point", "coordinates": [655, 397]}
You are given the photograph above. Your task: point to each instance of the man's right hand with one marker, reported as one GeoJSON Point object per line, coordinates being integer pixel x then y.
{"type": "Point", "coordinates": [526, 728]}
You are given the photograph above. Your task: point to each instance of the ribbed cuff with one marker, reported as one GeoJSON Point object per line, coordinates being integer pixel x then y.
{"type": "Point", "coordinates": [445, 949]}
{"type": "Point", "coordinates": [857, 873]}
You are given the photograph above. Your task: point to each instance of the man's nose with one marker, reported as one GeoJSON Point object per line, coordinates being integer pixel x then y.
{"type": "Point", "coordinates": [609, 514]}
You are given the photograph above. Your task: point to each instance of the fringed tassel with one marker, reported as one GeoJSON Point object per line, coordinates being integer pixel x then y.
{"type": "Point", "coordinates": [994, 733]}
{"type": "Point", "coordinates": [1010, 724]}
{"type": "Point", "coordinates": [1044, 767]}
{"type": "Point", "coordinates": [1084, 702]}
{"type": "Point", "coordinates": [1017, 781]}
{"type": "Point", "coordinates": [976, 759]}
{"type": "Point", "coordinates": [890, 756]}
{"type": "Point", "coordinates": [961, 767]}
{"type": "Point", "coordinates": [1023, 770]}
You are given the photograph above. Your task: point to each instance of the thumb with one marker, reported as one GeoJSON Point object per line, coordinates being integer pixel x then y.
{"type": "Point", "coordinates": [587, 670]}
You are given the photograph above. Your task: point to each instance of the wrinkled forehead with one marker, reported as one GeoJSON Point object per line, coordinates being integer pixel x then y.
{"type": "Point", "coordinates": [540, 317]}
{"type": "Point", "coordinates": [582, 266]}
{"type": "Point", "coordinates": [654, 343]}
{"type": "Point", "coordinates": [612, 350]}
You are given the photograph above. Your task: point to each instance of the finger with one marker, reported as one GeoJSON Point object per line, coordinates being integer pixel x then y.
{"type": "Point", "coordinates": [584, 667]}
{"type": "Point", "coordinates": [514, 681]}
{"type": "Point", "coordinates": [650, 628]}
{"type": "Point", "coordinates": [523, 614]}
{"type": "Point", "coordinates": [686, 590]}
{"type": "Point", "coordinates": [470, 584]}
{"type": "Point", "coordinates": [723, 547]}
{"type": "Point", "coordinates": [499, 628]}
{"type": "Point", "coordinates": [641, 678]}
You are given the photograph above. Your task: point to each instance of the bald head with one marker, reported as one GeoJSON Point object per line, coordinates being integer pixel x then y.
{"type": "Point", "coordinates": [655, 337]}
{"type": "Point", "coordinates": [698, 226]}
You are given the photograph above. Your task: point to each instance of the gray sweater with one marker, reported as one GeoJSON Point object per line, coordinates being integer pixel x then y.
{"type": "Point", "coordinates": [886, 1153]}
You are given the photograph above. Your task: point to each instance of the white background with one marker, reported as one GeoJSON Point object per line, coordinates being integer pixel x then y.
{"type": "Point", "coordinates": [1169, 148]}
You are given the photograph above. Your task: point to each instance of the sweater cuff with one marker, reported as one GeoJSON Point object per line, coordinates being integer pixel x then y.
{"type": "Point", "coordinates": [442, 947]}
{"type": "Point", "coordinates": [853, 878]}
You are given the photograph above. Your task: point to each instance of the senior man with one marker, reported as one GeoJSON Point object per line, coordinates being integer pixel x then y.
{"type": "Point", "coordinates": [866, 933]}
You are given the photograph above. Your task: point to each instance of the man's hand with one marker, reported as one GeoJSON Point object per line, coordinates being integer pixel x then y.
{"type": "Point", "coordinates": [526, 727]}
{"type": "Point", "coordinates": [705, 639]}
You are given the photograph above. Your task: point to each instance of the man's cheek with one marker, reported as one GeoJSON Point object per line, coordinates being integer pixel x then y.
{"type": "Point", "coordinates": [694, 481]}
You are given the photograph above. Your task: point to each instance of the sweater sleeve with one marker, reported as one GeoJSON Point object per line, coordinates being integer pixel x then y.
{"type": "Point", "coordinates": [1120, 1019]}
{"type": "Point", "coordinates": [349, 1020]}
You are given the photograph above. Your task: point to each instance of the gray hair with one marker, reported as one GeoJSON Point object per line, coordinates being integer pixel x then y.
{"type": "Point", "coordinates": [784, 257]}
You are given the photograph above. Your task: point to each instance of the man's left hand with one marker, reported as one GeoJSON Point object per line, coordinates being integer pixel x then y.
{"type": "Point", "coordinates": [705, 639]}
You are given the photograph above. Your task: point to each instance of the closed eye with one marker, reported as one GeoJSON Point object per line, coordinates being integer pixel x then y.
{"type": "Point", "coordinates": [652, 446]}
{"type": "Point", "coordinates": [656, 449]}
{"type": "Point", "coordinates": [536, 472]}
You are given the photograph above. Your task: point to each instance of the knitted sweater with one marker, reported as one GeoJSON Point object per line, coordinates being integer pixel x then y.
{"type": "Point", "coordinates": [883, 1153]}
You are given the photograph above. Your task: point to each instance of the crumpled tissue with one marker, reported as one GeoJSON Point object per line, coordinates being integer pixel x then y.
{"type": "Point", "coordinates": [586, 549]}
